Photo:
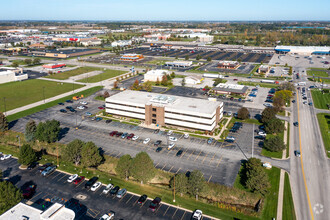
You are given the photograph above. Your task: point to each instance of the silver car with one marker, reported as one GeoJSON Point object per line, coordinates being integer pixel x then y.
{"type": "Point", "coordinates": [121, 193]}
{"type": "Point", "coordinates": [48, 170]}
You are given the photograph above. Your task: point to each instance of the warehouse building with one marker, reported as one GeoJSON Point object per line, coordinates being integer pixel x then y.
{"type": "Point", "coordinates": [233, 65]}
{"type": "Point", "coordinates": [54, 65]}
{"type": "Point", "coordinates": [154, 75]}
{"type": "Point", "coordinates": [264, 69]}
{"type": "Point", "coordinates": [301, 50]}
{"type": "Point", "coordinates": [131, 57]}
{"type": "Point", "coordinates": [179, 64]}
{"type": "Point", "coordinates": [66, 53]}
{"type": "Point", "coordinates": [11, 74]}
{"type": "Point", "coordinates": [162, 110]}
{"type": "Point", "coordinates": [229, 89]}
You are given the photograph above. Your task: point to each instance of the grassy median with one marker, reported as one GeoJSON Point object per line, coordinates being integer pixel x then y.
{"type": "Point", "coordinates": [288, 205]}
{"type": "Point", "coordinates": [324, 122]}
{"type": "Point", "coordinates": [70, 73]}
{"type": "Point", "coordinates": [321, 99]}
{"type": "Point", "coordinates": [107, 74]}
{"type": "Point", "coordinates": [18, 94]}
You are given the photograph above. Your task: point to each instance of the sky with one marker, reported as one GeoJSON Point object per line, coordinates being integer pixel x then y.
{"type": "Point", "coordinates": [168, 10]}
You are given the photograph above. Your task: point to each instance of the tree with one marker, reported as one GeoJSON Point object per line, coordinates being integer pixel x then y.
{"type": "Point", "coordinates": [198, 57]}
{"type": "Point", "coordinates": [48, 131]}
{"type": "Point", "coordinates": [257, 178]}
{"type": "Point", "coordinates": [30, 131]}
{"type": "Point", "coordinates": [284, 94]}
{"type": "Point", "coordinates": [28, 61]}
{"type": "Point", "coordinates": [243, 113]}
{"type": "Point", "coordinates": [136, 85]}
{"type": "Point", "coordinates": [36, 61]}
{"type": "Point", "coordinates": [290, 70]}
{"type": "Point", "coordinates": [157, 82]}
{"type": "Point", "coordinates": [217, 81]}
{"type": "Point", "coordinates": [209, 59]}
{"type": "Point", "coordinates": [9, 196]}
{"type": "Point", "coordinates": [15, 64]}
{"type": "Point", "coordinates": [286, 86]}
{"type": "Point", "coordinates": [274, 126]}
{"type": "Point", "coordinates": [172, 75]}
{"type": "Point", "coordinates": [183, 82]}
{"type": "Point", "coordinates": [278, 103]}
{"type": "Point", "coordinates": [3, 123]}
{"type": "Point", "coordinates": [164, 80]}
{"type": "Point", "coordinates": [274, 144]}
{"type": "Point", "coordinates": [180, 184]}
{"type": "Point", "coordinates": [115, 84]}
{"type": "Point", "coordinates": [268, 114]}
{"type": "Point", "coordinates": [142, 167]}
{"type": "Point", "coordinates": [196, 183]}
{"type": "Point", "coordinates": [90, 155]}
{"type": "Point", "coordinates": [147, 86]}
{"type": "Point", "coordinates": [187, 57]}
{"type": "Point", "coordinates": [124, 166]}
{"type": "Point", "coordinates": [26, 155]}
{"type": "Point", "coordinates": [72, 151]}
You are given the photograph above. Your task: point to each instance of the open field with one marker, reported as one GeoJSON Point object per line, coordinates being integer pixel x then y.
{"type": "Point", "coordinates": [317, 73]}
{"type": "Point", "coordinates": [68, 74]}
{"type": "Point", "coordinates": [321, 100]}
{"type": "Point", "coordinates": [107, 74]}
{"type": "Point", "coordinates": [288, 206]}
{"type": "Point", "coordinates": [324, 121]}
{"type": "Point", "coordinates": [17, 94]}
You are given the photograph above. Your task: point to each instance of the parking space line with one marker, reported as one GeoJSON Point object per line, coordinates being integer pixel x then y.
{"type": "Point", "coordinates": [175, 212]}
{"type": "Point", "coordinates": [184, 153]}
{"type": "Point", "coordinates": [53, 174]}
{"type": "Point", "coordinates": [122, 197]}
{"type": "Point", "coordinates": [209, 179]}
{"type": "Point", "coordinates": [190, 155]}
{"type": "Point", "coordinates": [183, 215]}
{"type": "Point", "coordinates": [118, 154]}
{"type": "Point", "coordinates": [164, 166]}
{"type": "Point", "coordinates": [212, 158]}
{"type": "Point", "coordinates": [178, 170]}
{"type": "Point", "coordinates": [205, 157]}
{"type": "Point", "coordinates": [35, 196]}
{"type": "Point", "coordinates": [170, 169]}
{"type": "Point", "coordinates": [129, 199]}
{"type": "Point", "coordinates": [61, 177]}
{"type": "Point", "coordinates": [198, 155]}
{"type": "Point", "coordinates": [159, 207]}
{"type": "Point", "coordinates": [80, 183]}
{"type": "Point", "coordinates": [156, 165]}
{"type": "Point", "coordinates": [219, 161]}
{"type": "Point", "coordinates": [166, 210]}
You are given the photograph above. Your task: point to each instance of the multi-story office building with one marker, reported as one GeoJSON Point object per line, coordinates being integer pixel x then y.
{"type": "Point", "coordinates": [162, 110]}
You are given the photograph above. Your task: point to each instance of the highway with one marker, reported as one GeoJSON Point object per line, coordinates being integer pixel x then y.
{"type": "Point", "coordinates": [309, 174]}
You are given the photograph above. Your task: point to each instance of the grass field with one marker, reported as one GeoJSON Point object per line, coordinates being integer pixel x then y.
{"type": "Point", "coordinates": [68, 74]}
{"type": "Point", "coordinates": [107, 74]}
{"type": "Point", "coordinates": [30, 111]}
{"type": "Point", "coordinates": [22, 93]}
{"type": "Point", "coordinates": [317, 73]}
{"type": "Point", "coordinates": [288, 206]}
{"type": "Point", "coordinates": [158, 61]}
{"type": "Point", "coordinates": [266, 85]}
{"type": "Point", "coordinates": [324, 122]}
{"type": "Point", "coordinates": [320, 100]}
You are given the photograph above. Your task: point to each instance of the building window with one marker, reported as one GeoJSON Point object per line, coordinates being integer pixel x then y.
{"type": "Point", "coordinates": [154, 115]}
{"type": "Point", "coordinates": [154, 121]}
{"type": "Point", "coordinates": [153, 109]}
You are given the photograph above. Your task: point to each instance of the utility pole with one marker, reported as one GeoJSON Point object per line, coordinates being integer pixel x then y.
{"type": "Point", "coordinates": [57, 155]}
{"type": "Point", "coordinates": [252, 139]}
{"type": "Point", "coordinates": [174, 190]}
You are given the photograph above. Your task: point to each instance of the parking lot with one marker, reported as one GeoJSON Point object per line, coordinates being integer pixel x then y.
{"type": "Point", "coordinates": [300, 61]}
{"type": "Point", "coordinates": [214, 55]}
{"type": "Point", "coordinates": [55, 188]}
{"type": "Point", "coordinates": [243, 69]}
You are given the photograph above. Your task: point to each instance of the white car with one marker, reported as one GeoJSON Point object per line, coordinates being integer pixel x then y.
{"type": "Point", "coordinates": [6, 156]}
{"type": "Point", "coordinates": [81, 107]}
{"type": "Point", "coordinates": [262, 133]}
{"type": "Point", "coordinates": [198, 214]}
{"type": "Point", "coordinates": [107, 188]}
{"type": "Point", "coordinates": [146, 141]}
{"type": "Point", "coordinates": [83, 103]}
{"type": "Point", "coordinates": [229, 113]}
{"type": "Point", "coordinates": [268, 105]}
{"type": "Point", "coordinates": [170, 132]}
{"type": "Point", "coordinates": [96, 186]}
{"type": "Point", "coordinates": [172, 138]}
{"type": "Point", "coordinates": [72, 178]}
{"type": "Point", "coordinates": [108, 216]}
{"type": "Point", "coordinates": [186, 136]}
{"type": "Point", "coordinates": [230, 138]}
{"type": "Point", "coordinates": [135, 137]}
{"type": "Point", "coordinates": [171, 145]}
{"type": "Point", "coordinates": [267, 165]}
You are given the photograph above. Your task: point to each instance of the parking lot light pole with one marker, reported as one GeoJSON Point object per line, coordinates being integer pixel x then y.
{"type": "Point", "coordinates": [174, 190]}
{"type": "Point", "coordinates": [19, 141]}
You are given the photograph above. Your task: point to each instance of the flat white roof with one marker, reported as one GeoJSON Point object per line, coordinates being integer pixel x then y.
{"type": "Point", "coordinates": [179, 62]}
{"type": "Point", "coordinates": [230, 86]}
{"type": "Point", "coordinates": [179, 103]}
{"type": "Point", "coordinates": [157, 72]}
{"type": "Point", "coordinates": [303, 48]}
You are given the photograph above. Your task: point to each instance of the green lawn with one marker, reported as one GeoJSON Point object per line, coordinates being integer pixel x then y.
{"type": "Point", "coordinates": [266, 85]}
{"type": "Point", "coordinates": [288, 142]}
{"type": "Point", "coordinates": [317, 73]}
{"type": "Point", "coordinates": [158, 61]}
{"type": "Point", "coordinates": [107, 74]}
{"type": "Point", "coordinates": [324, 122]}
{"type": "Point", "coordinates": [288, 206]}
{"type": "Point", "coordinates": [68, 74]}
{"type": "Point", "coordinates": [320, 100]}
{"type": "Point", "coordinates": [22, 93]}
{"type": "Point", "coordinates": [30, 111]}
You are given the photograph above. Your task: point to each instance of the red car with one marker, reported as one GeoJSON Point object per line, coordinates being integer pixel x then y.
{"type": "Point", "coordinates": [100, 107]}
{"type": "Point", "coordinates": [113, 133]}
{"type": "Point", "coordinates": [130, 136]}
{"type": "Point", "coordinates": [119, 134]}
{"type": "Point", "coordinates": [29, 191]}
{"type": "Point", "coordinates": [235, 79]}
{"type": "Point", "coordinates": [154, 205]}
{"type": "Point", "coordinates": [78, 180]}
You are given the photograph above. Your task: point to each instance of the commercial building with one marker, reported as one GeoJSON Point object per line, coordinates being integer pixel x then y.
{"type": "Point", "coordinates": [14, 51]}
{"type": "Point", "coordinates": [233, 65]}
{"type": "Point", "coordinates": [301, 50]}
{"type": "Point", "coordinates": [23, 211]}
{"type": "Point", "coordinates": [121, 43]}
{"type": "Point", "coordinates": [191, 80]}
{"type": "Point", "coordinates": [264, 69]}
{"type": "Point", "coordinates": [66, 53]}
{"type": "Point", "coordinates": [11, 74]}
{"type": "Point", "coordinates": [179, 64]}
{"type": "Point", "coordinates": [163, 110]}
{"type": "Point", "coordinates": [154, 75]}
{"type": "Point", "coordinates": [54, 65]}
{"type": "Point", "coordinates": [229, 89]}
{"type": "Point", "coordinates": [131, 57]}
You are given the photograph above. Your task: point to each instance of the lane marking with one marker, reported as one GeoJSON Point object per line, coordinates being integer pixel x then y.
{"type": "Point", "coordinates": [178, 170]}
{"type": "Point", "coordinates": [175, 212]}
{"type": "Point", "coordinates": [301, 160]}
{"type": "Point", "coordinates": [166, 210]}
{"type": "Point", "coordinates": [212, 158]}
{"type": "Point", "coordinates": [209, 179]}
{"type": "Point", "coordinates": [219, 161]}
{"type": "Point", "coordinates": [190, 155]}
{"type": "Point", "coordinates": [198, 155]}
{"type": "Point", "coordinates": [183, 215]}
{"type": "Point", "coordinates": [170, 169]}
{"type": "Point", "coordinates": [205, 157]}
{"type": "Point", "coordinates": [129, 199]}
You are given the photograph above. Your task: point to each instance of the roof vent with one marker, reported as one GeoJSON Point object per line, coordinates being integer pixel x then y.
{"type": "Point", "coordinates": [192, 106]}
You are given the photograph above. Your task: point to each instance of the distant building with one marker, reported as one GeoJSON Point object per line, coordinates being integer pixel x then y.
{"type": "Point", "coordinates": [54, 65]}
{"type": "Point", "coordinates": [65, 53]}
{"type": "Point", "coordinates": [121, 43]}
{"type": "Point", "coordinates": [233, 65]}
{"type": "Point", "coordinates": [90, 42]}
{"type": "Point", "coordinates": [202, 37]}
{"type": "Point", "coordinates": [228, 89]}
{"type": "Point", "coordinates": [191, 80]}
{"type": "Point", "coordinates": [263, 69]}
{"type": "Point", "coordinates": [14, 50]}
{"type": "Point", "coordinates": [153, 75]}
{"type": "Point", "coordinates": [38, 46]}
{"type": "Point", "coordinates": [166, 110]}
{"type": "Point", "coordinates": [25, 212]}
{"type": "Point", "coordinates": [11, 74]}
{"type": "Point", "coordinates": [131, 57]}
{"type": "Point", "coordinates": [178, 63]}
{"type": "Point", "coordinates": [302, 50]}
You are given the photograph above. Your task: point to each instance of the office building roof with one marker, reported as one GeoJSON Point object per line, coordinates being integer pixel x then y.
{"type": "Point", "coordinates": [234, 88]}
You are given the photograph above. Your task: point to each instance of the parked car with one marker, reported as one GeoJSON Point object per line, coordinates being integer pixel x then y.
{"type": "Point", "coordinates": [63, 110]}
{"type": "Point", "coordinates": [98, 119]}
{"type": "Point", "coordinates": [83, 103]}
{"type": "Point", "coordinates": [88, 114]}
{"type": "Point", "coordinates": [6, 156]}
{"type": "Point", "coordinates": [130, 136]}
{"type": "Point", "coordinates": [72, 110]}
{"type": "Point", "coordinates": [43, 167]}
{"type": "Point", "coordinates": [262, 133]}
{"type": "Point", "coordinates": [142, 199]}
{"type": "Point", "coordinates": [186, 136]}
{"type": "Point", "coordinates": [197, 215]}
{"type": "Point", "coordinates": [96, 186]}
{"type": "Point", "coordinates": [61, 103]}
{"type": "Point", "coordinates": [230, 139]}
{"type": "Point", "coordinates": [107, 188]}
{"type": "Point", "coordinates": [72, 178]}
{"type": "Point", "coordinates": [114, 190]}
{"type": "Point", "coordinates": [154, 204]}
{"type": "Point", "coordinates": [29, 191]}
{"type": "Point", "coordinates": [108, 121]}
{"type": "Point", "coordinates": [171, 145]}
{"type": "Point", "coordinates": [91, 182]}
{"type": "Point", "coordinates": [159, 149]}
{"type": "Point", "coordinates": [121, 193]}
{"type": "Point", "coordinates": [81, 107]}
{"type": "Point", "coordinates": [170, 132]}
{"type": "Point", "coordinates": [78, 180]}
{"type": "Point", "coordinates": [48, 170]}
{"type": "Point", "coordinates": [68, 101]}
{"type": "Point", "coordinates": [32, 165]}
{"type": "Point", "coordinates": [124, 135]}
{"type": "Point", "coordinates": [157, 143]}
{"type": "Point", "coordinates": [108, 216]}
{"type": "Point", "coordinates": [100, 107]}
{"type": "Point", "coordinates": [210, 140]}
{"type": "Point", "coordinates": [156, 131]}
{"type": "Point", "coordinates": [135, 138]}
{"type": "Point", "coordinates": [310, 103]}
{"type": "Point", "coordinates": [172, 138]}
{"type": "Point", "coordinates": [68, 107]}
{"type": "Point", "coordinates": [146, 141]}
{"type": "Point", "coordinates": [179, 153]}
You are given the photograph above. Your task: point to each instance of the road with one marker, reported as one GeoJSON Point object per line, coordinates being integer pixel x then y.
{"type": "Point", "coordinates": [310, 177]}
